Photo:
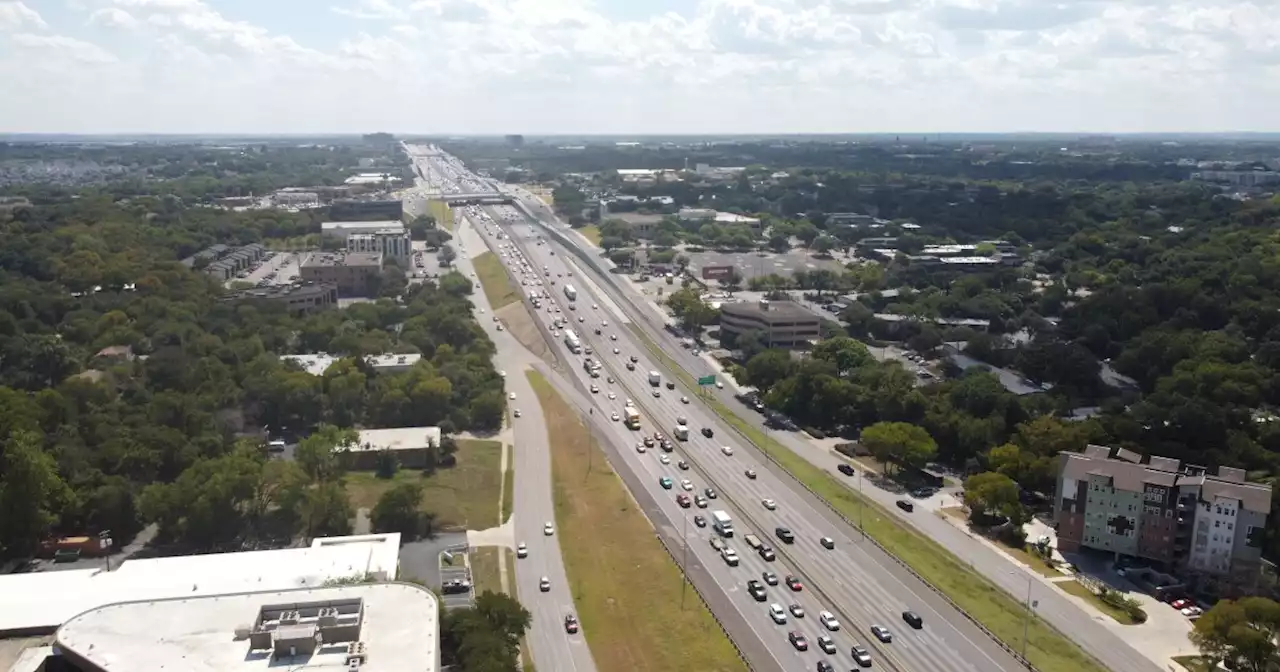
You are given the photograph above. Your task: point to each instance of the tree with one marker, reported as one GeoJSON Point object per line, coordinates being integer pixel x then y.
{"type": "Point", "coordinates": [399, 510]}
{"type": "Point", "coordinates": [210, 503]}
{"type": "Point", "coordinates": [894, 443]}
{"type": "Point", "coordinates": [845, 353]}
{"type": "Point", "coordinates": [485, 638]}
{"type": "Point", "coordinates": [731, 281]}
{"type": "Point", "coordinates": [779, 243]}
{"type": "Point", "coordinates": [328, 511]}
{"type": "Point", "coordinates": [316, 454]}
{"type": "Point", "coordinates": [824, 244]}
{"type": "Point", "coordinates": [1242, 632]}
{"type": "Point", "coordinates": [420, 225]}
{"type": "Point", "coordinates": [32, 495]}
{"type": "Point", "coordinates": [768, 368]}
{"type": "Point", "coordinates": [446, 255]}
{"type": "Point", "coordinates": [989, 492]}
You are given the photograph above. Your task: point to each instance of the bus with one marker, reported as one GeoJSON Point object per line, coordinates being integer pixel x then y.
{"type": "Point", "coordinates": [572, 341]}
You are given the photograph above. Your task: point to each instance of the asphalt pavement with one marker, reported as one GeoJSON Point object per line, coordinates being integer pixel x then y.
{"type": "Point", "coordinates": [858, 587]}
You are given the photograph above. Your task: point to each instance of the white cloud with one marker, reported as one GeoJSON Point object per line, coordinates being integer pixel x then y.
{"type": "Point", "coordinates": [16, 15]}
{"type": "Point", "coordinates": [61, 45]}
{"type": "Point", "coordinates": [715, 65]}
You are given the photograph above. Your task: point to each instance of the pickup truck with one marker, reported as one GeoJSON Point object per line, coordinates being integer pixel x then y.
{"type": "Point", "coordinates": [730, 557]}
{"type": "Point", "coordinates": [753, 541]}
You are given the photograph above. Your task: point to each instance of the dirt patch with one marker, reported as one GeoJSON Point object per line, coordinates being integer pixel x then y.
{"type": "Point", "coordinates": [520, 323]}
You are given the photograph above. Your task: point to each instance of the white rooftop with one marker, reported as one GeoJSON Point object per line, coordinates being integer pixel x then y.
{"type": "Point", "coordinates": [392, 360]}
{"type": "Point", "coordinates": [396, 438]}
{"type": "Point", "coordinates": [46, 600]}
{"type": "Point", "coordinates": [317, 364]}
{"type": "Point", "coordinates": [398, 627]}
{"type": "Point", "coordinates": [364, 225]}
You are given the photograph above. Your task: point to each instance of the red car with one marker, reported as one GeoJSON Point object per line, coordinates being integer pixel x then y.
{"type": "Point", "coordinates": [683, 500]}
{"type": "Point", "coordinates": [570, 624]}
{"type": "Point", "coordinates": [1181, 603]}
{"type": "Point", "coordinates": [798, 641]}
{"type": "Point", "coordinates": [794, 584]}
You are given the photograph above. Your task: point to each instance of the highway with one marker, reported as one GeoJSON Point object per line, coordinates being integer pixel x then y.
{"type": "Point", "coordinates": [1094, 636]}
{"type": "Point", "coordinates": [551, 647]}
{"type": "Point", "coordinates": [852, 580]}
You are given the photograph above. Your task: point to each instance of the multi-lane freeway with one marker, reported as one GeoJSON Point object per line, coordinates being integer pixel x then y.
{"type": "Point", "coordinates": [850, 580]}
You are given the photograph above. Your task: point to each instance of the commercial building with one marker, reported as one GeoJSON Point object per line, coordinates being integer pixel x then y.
{"type": "Point", "coordinates": [390, 243]}
{"type": "Point", "coordinates": [409, 445]}
{"type": "Point", "coordinates": [385, 627]}
{"type": "Point", "coordinates": [300, 297]}
{"type": "Point", "coordinates": [727, 218]}
{"type": "Point", "coordinates": [352, 272]}
{"type": "Point", "coordinates": [340, 230]}
{"type": "Point", "coordinates": [782, 323]}
{"type": "Point", "coordinates": [371, 179]}
{"type": "Point", "coordinates": [1205, 527]}
{"type": "Point", "coordinates": [1239, 178]}
{"type": "Point", "coordinates": [39, 603]}
{"type": "Point", "coordinates": [355, 210]}
{"type": "Point", "coordinates": [318, 363]}
{"type": "Point", "coordinates": [223, 262]}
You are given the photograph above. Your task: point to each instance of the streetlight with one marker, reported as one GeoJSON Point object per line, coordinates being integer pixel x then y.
{"type": "Point", "coordinates": [1026, 620]}
{"type": "Point", "coordinates": [684, 561]}
{"type": "Point", "coordinates": [862, 507]}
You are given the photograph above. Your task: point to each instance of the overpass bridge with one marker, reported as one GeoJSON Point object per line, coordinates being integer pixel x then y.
{"type": "Point", "coordinates": [480, 198]}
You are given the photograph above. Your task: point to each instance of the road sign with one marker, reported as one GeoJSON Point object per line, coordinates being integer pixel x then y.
{"type": "Point", "coordinates": [707, 380]}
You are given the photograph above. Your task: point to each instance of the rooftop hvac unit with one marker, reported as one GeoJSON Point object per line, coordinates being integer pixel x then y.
{"type": "Point", "coordinates": [290, 618]}
{"type": "Point", "coordinates": [353, 666]}
{"type": "Point", "coordinates": [357, 654]}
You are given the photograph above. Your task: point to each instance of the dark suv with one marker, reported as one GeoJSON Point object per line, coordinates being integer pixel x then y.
{"type": "Point", "coordinates": [785, 535]}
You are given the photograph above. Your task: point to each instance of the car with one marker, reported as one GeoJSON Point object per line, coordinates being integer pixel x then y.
{"type": "Point", "coordinates": [665, 459]}
{"type": "Point", "coordinates": [665, 482]}
{"type": "Point", "coordinates": [686, 484]}
{"type": "Point", "coordinates": [709, 492]}
{"type": "Point", "coordinates": [613, 417]}
{"type": "Point", "coordinates": [648, 441]}
{"type": "Point", "coordinates": [770, 578]}
{"type": "Point", "coordinates": [631, 367]}
{"type": "Point", "coordinates": [615, 351]}
{"type": "Point", "coordinates": [751, 474]}
{"type": "Point", "coordinates": [860, 655]}
{"type": "Point", "coordinates": [512, 396]}
{"type": "Point", "coordinates": [1181, 604]}
{"type": "Point", "coordinates": [671, 385]}
{"type": "Point", "coordinates": [796, 610]}
{"type": "Point", "coordinates": [846, 469]}
{"type": "Point", "coordinates": [640, 448]}
{"type": "Point", "coordinates": [582, 319]}
{"type": "Point", "coordinates": [777, 613]}
{"type": "Point", "coordinates": [797, 640]}
{"type": "Point", "coordinates": [522, 550]}
{"type": "Point", "coordinates": [498, 327]}
{"type": "Point", "coordinates": [656, 394]}
{"type": "Point", "coordinates": [827, 645]}
{"type": "Point", "coordinates": [571, 624]}
{"type": "Point", "coordinates": [827, 543]}
{"type": "Point", "coordinates": [756, 590]}
{"type": "Point", "coordinates": [824, 666]}
{"type": "Point", "coordinates": [613, 337]}
{"type": "Point", "coordinates": [594, 307]}
{"type": "Point", "coordinates": [515, 412]}
{"type": "Point", "coordinates": [794, 584]}
{"type": "Point", "coordinates": [603, 323]}
{"type": "Point", "coordinates": [828, 621]}
{"type": "Point", "coordinates": [684, 400]}
{"type": "Point", "coordinates": [595, 389]}
{"type": "Point", "coordinates": [769, 504]}
{"type": "Point", "coordinates": [544, 585]}
{"type": "Point", "coordinates": [1192, 611]}
{"type": "Point", "coordinates": [612, 396]}
{"type": "Point", "coordinates": [700, 502]}
{"type": "Point", "coordinates": [913, 619]}
{"type": "Point", "coordinates": [766, 553]}
{"type": "Point", "coordinates": [548, 529]}
{"type": "Point", "coordinates": [906, 505]}
{"type": "Point", "coordinates": [699, 521]}
{"type": "Point", "coordinates": [727, 450]}
{"type": "Point", "coordinates": [683, 500]}
{"type": "Point", "coordinates": [708, 432]}
{"type": "Point", "coordinates": [610, 380]}
{"type": "Point", "coordinates": [785, 535]}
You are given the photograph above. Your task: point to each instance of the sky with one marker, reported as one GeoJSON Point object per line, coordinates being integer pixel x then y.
{"type": "Point", "coordinates": [638, 66]}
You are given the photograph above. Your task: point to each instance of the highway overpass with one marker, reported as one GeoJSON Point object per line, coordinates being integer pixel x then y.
{"type": "Point", "coordinates": [486, 198]}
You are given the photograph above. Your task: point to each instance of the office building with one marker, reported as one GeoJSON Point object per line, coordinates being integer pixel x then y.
{"type": "Point", "coordinates": [352, 272]}
{"type": "Point", "coordinates": [384, 627]}
{"type": "Point", "coordinates": [1205, 527]}
{"type": "Point", "coordinates": [318, 363]}
{"type": "Point", "coordinates": [1239, 178]}
{"type": "Point", "coordinates": [390, 243]}
{"type": "Point", "coordinates": [409, 445]}
{"type": "Point", "coordinates": [301, 297]}
{"type": "Point", "coordinates": [353, 210]}
{"type": "Point", "coordinates": [340, 230]}
{"type": "Point", "coordinates": [782, 323]}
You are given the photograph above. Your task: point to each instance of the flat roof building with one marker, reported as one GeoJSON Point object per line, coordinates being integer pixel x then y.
{"type": "Point", "coordinates": [782, 323]}
{"type": "Point", "coordinates": [300, 297]}
{"type": "Point", "coordinates": [341, 230]}
{"type": "Point", "coordinates": [382, 627]}
{"type": "Point", "coordinates": [317, 364]}
{"type": "Point", "coordinates": [352, 272]}
{"type": "Point", "coordinates": [390, 243]}
{"type": "Point", "coordinates": [409, 445]}
{"type": "Point", "coordinates": [352, 210]}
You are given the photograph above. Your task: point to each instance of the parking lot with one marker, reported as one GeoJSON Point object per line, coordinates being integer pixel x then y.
{"type": "Point", "coordinates": [284, 265]}
{"type": "Point", "coordinates": [752, 264]}
{"type": "Point", "coordinates": [424, 560]}
{"type": "Point", "coordinates": [454, 568]}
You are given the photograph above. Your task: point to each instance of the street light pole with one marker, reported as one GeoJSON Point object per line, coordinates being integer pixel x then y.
{"type": "Point", "coordinates": [862, 508]}
{"type": "Point", "coordinates": [684, 562]}
{"type": "Point", "coordinates": [1026, 622]}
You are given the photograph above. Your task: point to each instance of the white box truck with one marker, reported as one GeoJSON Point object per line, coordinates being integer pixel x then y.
{"type": "Point", "coordinates": [655, 378]}
{"type": "Point", "coordinates": [681, 432]}
{"type": "Point", "coordinates": [722, 523]}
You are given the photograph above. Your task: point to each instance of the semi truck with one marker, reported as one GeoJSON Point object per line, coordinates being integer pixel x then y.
{"type": "Point", "coordinates": [632, 417]}
{"type": "Point", "coordinates": [722, 523]}
{"type": "Point", "coordinates": [570, 293]}
{"type": "Point", "coordinates": [655, 378]}
{"type": "Point", "coordinates": [681, 432]}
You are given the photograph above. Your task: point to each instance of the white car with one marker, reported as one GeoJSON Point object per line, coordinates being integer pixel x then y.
{"type": "Point", "coordinates": [613, 337]}
{"type": "Point", "coordinates": [777, 613]}
{"type": "Point", "coordinates": [613, 396]}
{"type": "Point", "coordinates": [686, 484]}
{"type": "Point", "coordinates": [595, 389]}
{"type": "Point", "coordinates": [828, 620]}
{"type": "Point", "coordinates": [502, 373]}
{"type": "Point", "coordinates": [594, 306]}
{"type": "Point", "coordinates": [656, 394]}
{"type": "Point", "coordinates": [516, 412]}
{"type": "Point", "coordinates": [582, 319]}
{"type": "Point", "coordinates": [640, 448]}
{"type": "Point", "coordinates": [769, 504]}
{"type": "Point", "coordinates": [613, 417]}
{"type": "Point", "coordinates": [544, 585]}
{"type": "Point", "coordinates": [548, 529]}
{"type": "Point", "coordinates": [727, 450]}
{"type": "Point", "coordinates": [604, 323]}
{"type": "Point", "coordinates": [616, 351]}
{"type": "Point", "coordinates": [498, 327]}
{"type": "Point", "coordinates": [684, 400]}
{"type": "Point", "coordinates": [522, 550]}
{"type": "Point", "coordinates": [512, 396]}
{"type": "Point", "coordinates": [665, 459]}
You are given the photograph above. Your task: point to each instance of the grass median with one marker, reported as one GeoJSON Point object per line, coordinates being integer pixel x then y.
{"type": "Point", "coordinates": [630, 623]}
{"type": "Point", "coordinates": [508, 488]}
{"type": "Point", "coordinates": [484, 569]}
{"type": "Point", "coordinates": [497, 285]}
{"type": "Point", "coordinates": [461, 496]}
{"type": "Point", "coordinates": [592, 233]}
{"type": "Point", "coordinates": [1002, 614]}
{"type": "Point", "coordinates": [442, 212]}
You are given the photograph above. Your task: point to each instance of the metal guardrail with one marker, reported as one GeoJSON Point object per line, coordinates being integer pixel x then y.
{"type": "Point", "coordinates": [608, 276]}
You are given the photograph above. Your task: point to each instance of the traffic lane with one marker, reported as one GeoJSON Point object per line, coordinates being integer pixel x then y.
{"type": "Point", "coordinates": [943, 653]}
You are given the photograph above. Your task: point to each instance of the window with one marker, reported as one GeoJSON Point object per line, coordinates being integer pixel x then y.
{"type": "Point", "coordinates": [1217, 523]}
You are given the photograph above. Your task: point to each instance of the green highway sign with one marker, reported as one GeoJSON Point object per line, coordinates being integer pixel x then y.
{"type": "Point", "coordinates": [707, 380]}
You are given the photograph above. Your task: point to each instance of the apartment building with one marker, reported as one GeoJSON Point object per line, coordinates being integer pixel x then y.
{"type": "Point", "coordinates": [782, 323]}
{"type": "Point", "coordinates": [390, 243]}
{"type": "Point", "coordinates": [298, 297]}
{"type": "Point", "coordinates": [352, 273]}
{"type": "Point", "coordinates": [1181, 517]}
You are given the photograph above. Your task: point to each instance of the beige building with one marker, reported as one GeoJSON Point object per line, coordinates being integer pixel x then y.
{"type": "Point", "coordinates": [408, 444]}
{"type": "Point", "coordinates": [302, 297]}
{"type": "Point", "coordinates": [351, 272]}
{"type": "Point", "coordinates": [782, 323]}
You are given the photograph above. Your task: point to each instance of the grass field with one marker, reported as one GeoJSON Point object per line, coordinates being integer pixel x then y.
{"type": "Point", "coordinates": [592, 232]}
{"type": "Point", "coordinates": [493, 278]}
{"type": "Point", "coordinates": [508, 487]}
{"type": "Point", "coordinates": [465, 495]}
{"type": "Point", "coordinates": [1000, 612]}
{"type": "Point", "coordinates": [1084, 592]}
{"type": "Point", "coordinates": [484, 569]}
{"type": "Point", "coordinates": [442, 212]}
{"type": "Point", "coordinates": [631, 625]}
